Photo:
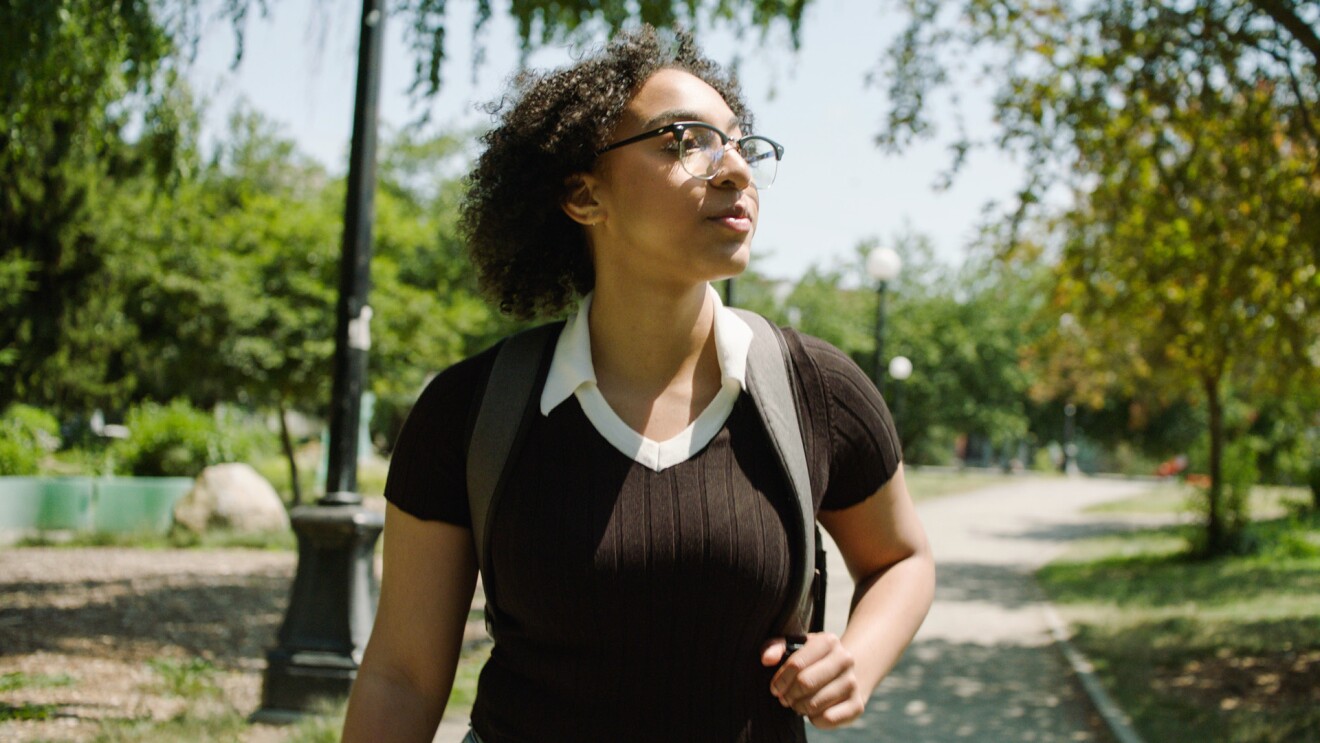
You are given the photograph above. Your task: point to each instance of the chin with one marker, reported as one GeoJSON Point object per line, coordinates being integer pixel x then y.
{"type": "Point", "coordinates": [736, 262]}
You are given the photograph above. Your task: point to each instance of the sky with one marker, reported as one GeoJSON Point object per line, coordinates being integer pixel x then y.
{"type": "Point", "coordinates": [835, 187]}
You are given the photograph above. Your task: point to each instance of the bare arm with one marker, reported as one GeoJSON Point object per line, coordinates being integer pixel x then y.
{"type": "Point", "coordinates": [884, 545]}
{"type": "Point", "coordinates": [408, 666]}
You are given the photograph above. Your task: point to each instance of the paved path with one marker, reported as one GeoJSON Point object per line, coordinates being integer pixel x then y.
{"type": "Point", "coordinates": [983, 667]}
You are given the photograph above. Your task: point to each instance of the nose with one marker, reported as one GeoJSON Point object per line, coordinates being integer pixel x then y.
{"type": "Point", "coordinates": [733, 170]}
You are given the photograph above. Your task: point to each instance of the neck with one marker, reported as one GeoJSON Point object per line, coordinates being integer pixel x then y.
{"type": "Point", "coordinates": [647, 338]}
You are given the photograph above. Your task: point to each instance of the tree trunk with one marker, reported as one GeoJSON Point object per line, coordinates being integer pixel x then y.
{"type": "Point", "coordinates": [1214, 535]}
{"type": "Point", "coordinates": [287, 442]}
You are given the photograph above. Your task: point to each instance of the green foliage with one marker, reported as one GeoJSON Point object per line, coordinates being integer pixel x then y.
{"type": "Point", "coordinates": [177, 440]}
{"type": "Point", "coordinates": [173, 440]}
{"type": "Point", "coordinates": [1189, 262]}
{"type": "Point", "coordinates": [962, 330]}
{"type": "Point", "coordinates": [74, 77]}
{"type": "Point", "coordinates": [15, 680]}
{"type": "Point", "coordinates": [27, 712]}
{"type": "Point", "coordinates": [323, 725]}
{"type": "Point", "coordinates": [26, 435]}
{"type": "Point", "coordinates": [1240, 475]}
{"type": "Point", "coordinates": [189, 725]}
{"type": "Point", "coordinates": [192, 678]}
{"type": "Point", "coordinates": [177, 538]}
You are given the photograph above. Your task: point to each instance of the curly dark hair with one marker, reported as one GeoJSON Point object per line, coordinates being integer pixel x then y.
{"type": "Point", "coordinates": [530, 258]}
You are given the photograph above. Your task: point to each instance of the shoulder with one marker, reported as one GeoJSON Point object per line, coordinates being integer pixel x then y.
{"type": "Point", "coordinates": [849, 421]}
{"type": "Point", "coordinates": [457, 385]}
{"type": "Point", "coordinates": [428, 468]}
{"type": "Point", "coordinates": [821, 362]}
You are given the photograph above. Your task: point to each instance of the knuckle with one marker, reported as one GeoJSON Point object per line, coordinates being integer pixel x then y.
{"type": "Point", "coordinates": [842, 714]}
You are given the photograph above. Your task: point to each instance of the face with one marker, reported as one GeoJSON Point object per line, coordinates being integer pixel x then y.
{"type": "Point", "coordinates": [646, 217]}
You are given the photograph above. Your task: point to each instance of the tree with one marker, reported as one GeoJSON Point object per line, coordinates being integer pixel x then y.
{"type": "Point", "coordinates": [90, 96]}
{"type": "Point", "coordinates": [74, 75]}
{"type": "Point", "coordinates": [1187, 134]}
{"type": "Point", "coordinates": [961, 328]}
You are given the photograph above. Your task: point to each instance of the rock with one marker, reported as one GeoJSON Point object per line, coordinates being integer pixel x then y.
{"type": "Point", "coordinates": [231, 496]}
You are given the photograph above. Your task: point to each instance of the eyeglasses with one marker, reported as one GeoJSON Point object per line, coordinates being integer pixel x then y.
{"type": "Point", "coordinates": [701, 147]}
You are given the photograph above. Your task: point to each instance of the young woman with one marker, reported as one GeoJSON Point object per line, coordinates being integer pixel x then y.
{"type": "Point", "coordinates": [640, 552]}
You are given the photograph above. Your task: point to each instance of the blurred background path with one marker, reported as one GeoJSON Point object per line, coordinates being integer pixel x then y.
{"type": "Point", "coordinates": [983, 666]}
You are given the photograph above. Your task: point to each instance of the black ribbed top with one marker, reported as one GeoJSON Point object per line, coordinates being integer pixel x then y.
{"type": "Point", "coordinates": [634, 603]}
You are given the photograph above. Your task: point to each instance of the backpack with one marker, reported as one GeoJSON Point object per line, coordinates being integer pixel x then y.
{"type": "Point", "coordinates": [509, 403]}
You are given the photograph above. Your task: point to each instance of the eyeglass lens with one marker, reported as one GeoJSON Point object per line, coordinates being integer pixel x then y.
{"type": "Point", "coordinates": [702, 152]}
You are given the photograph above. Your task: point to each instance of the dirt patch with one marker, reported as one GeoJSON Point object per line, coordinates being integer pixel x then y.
{"type": "Point", "coordinates": [91, 635]}
{"type": "Point", "coordinates": [1257, 683]}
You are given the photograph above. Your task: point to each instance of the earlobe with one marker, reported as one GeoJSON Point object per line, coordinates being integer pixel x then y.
{"type": "Point", "coordinates": [579, 201]}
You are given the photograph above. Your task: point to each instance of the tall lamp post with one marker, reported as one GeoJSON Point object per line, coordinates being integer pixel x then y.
{"type": "Point", "coordinates": [883, 265]}
{"type": "Point", "coordinates": [333, 602]}
{"type": "Point", "coordinates": [900, 368]}
{"type": "Point", "coordinates": [1069, 444]}
{"type": "Point", "coordinates": [1069, 327]}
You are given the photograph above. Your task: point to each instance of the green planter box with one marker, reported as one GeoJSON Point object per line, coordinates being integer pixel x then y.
{"type": "Point", "coordinates": [106, 504]}
{"type": "Point", "coordinates": [137, 504]}
{"type": "Point", "coordinates": [66, 503]}
{"type": "Point", "coordinates": [20, 502]}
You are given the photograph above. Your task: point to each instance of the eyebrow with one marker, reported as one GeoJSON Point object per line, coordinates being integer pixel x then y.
{"type": "Point", "coordinates": [682, 114]}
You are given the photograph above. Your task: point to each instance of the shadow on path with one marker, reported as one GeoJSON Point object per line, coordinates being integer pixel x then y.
{"type": "Point", "coordinates": [229, 620]}
{"type": "Point", "coordinates": [944, 691]}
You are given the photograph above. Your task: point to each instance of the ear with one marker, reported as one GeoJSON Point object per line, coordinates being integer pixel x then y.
{"type": "Point", "coordinates": [579, 201]}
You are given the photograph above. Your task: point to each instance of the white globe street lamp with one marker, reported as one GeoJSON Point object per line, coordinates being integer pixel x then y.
{"type": "Point", "coordinates": [900, 368]}
{"type": "Point", "coordinates": [884, 264]}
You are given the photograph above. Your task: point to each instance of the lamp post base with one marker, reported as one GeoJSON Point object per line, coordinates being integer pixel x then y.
{"type": "Point", "coordinates": [331, 610]}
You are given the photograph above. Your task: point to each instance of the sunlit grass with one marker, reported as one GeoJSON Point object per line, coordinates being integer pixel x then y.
{"type": "Point", "coordinates": [924, 484]}
{"type": "Point", "coordinates": [1223, 649]}
{"type": "Point", "coordinates": [189, 725]}
{"type": "Point", "coordinates": [1173, 498]}
{"type": "Point", "coordinates": [16, 680]}
{"type": "Point", "coordinates": [464, 692]}
{"type": "Point", "coordinates": [176, 539]}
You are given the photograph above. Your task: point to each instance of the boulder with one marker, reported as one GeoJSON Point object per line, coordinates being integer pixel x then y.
{"type": "Point", "coordinates": [231, 496]}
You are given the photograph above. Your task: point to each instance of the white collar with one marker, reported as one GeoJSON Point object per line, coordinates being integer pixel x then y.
{"type": "Point", "coordinates": [572, 374]}
{"type": "Point", "coordinates": [571, 367]}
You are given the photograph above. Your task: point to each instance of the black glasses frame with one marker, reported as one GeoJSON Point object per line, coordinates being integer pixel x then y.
{"type": "Point", "coordinates": [678, 127]}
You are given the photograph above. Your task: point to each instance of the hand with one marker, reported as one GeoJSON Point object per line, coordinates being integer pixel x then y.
{"type": "Point", "coordinates": [817, 681]}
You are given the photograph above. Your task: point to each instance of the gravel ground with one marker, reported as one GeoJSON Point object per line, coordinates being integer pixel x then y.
{"type": "Point", "coordinates": [95, 620]}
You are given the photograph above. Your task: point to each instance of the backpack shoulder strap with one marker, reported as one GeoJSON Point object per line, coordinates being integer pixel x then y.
{"type": "Point", "coordinates": [505, 403]}
{"type": "Point", "coordinates": [770, 382]}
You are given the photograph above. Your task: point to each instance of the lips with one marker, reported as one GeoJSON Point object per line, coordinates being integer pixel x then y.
{"type": "Point", "coordinates": [733, 212]}
{"type": "Point", "coordinates": [735, 218]}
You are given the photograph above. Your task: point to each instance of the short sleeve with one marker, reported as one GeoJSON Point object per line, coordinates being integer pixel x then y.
{"type": "Point", "coordinates": [428, 469]}
{"type": "Point", "coordinates": [854, 431]}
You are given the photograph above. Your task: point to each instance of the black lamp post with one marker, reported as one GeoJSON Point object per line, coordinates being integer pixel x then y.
{"type": "Point", "coordinates": [333, 601]}
{"type": "Point", "coordinates": [1069, 446]}
{"type": "Point", "coordinates": [900, 368]}
{"type": "Point", "coordinates": [884, 265]}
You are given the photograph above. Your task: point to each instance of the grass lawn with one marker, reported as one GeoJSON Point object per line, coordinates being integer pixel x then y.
{"type": "Point", "coordinates": [926, 484]}
{"type": "Point", "coordinates": [1224, 649]}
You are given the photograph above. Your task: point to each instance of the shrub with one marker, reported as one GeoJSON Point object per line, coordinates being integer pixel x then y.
{"type": "Point", "coordinates": [177, 440]}
{"type": "Point", "coordinates": [1240, 475]}
{"type": "Point", "coordinates": [26, 435]}
{"type": "Point", "coordinates": [174, 440]}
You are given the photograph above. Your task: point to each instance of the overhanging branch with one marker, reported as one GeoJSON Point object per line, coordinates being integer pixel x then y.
{"type": "Point", "coordinates": [1283, 14]}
